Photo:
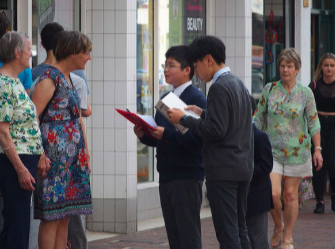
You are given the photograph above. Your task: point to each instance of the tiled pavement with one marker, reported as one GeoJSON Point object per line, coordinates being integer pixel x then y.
{"type": "Point", "coordinates": [311, 231]}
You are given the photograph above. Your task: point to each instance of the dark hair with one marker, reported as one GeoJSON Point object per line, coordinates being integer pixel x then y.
{"type": "Point", "coordinates": [72, 42]}
{"type": "Point", "coordinates": [179, 53]}
{"type": "Point", "coordinates": [4, 23]}
{"type": "Point", "coordinates": [204, 45]}
{"type": "Point", "coordinates": [253, 104]}
{"type": "Point", "coordinates": [48, 34]}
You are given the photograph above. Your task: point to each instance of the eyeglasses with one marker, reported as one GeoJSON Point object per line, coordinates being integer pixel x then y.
{"type": "Point", "coordinates": [167, 66]}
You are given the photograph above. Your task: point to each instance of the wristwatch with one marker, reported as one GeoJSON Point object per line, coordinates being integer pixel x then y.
{"type": "Point", "coordinates": [183, 120]}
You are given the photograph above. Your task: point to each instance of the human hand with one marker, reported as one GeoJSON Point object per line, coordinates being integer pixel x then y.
{"type": "Point", "coordinates": [43, 165]}
{"type": "Point", "coordinates": [158, 133]}
{"type": "Point", "coordinates": [175, 115]}
{"type": "Point", "coordinates": [317, 159]}
{"type": "Point", "coordinates": [194, 108]}
{"type": "Point", "coordinates": [26, 180]}
{"type": "Point", "coordinates": [138, 131]}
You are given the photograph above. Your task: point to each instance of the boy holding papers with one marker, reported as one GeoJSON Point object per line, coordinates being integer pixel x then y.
{"type": "Point", "coordinates": [226, 128]}
{"type": "Point", "coordinates": [179, 158]}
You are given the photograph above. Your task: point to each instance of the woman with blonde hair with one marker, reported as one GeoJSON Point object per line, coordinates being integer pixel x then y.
{"type": "Point", "coordinates": [287, 113]}
{"type": "Point", "coordinates": [65, 191]}
{"type": "Point", "coordinates": [323, 88]}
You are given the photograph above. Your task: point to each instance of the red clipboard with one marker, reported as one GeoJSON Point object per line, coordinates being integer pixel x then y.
{"type": "Point", "coordinates": [136, 120]}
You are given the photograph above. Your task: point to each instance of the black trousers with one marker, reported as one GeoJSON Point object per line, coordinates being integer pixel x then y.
{"type": "Point", "coordinates": [328, 155]}
{"type": "Point", "coordinates": [228, 202]}
{"type": "Point", "coordinates": [181, 203]}
{"type": "Point", "coordinates": [16, 211]}
{"type": "Point", "coordinates": [257, 225]}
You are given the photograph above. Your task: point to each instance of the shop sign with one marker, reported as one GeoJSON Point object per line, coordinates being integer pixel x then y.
{"type": "Point", "coordinates": [194, 21]}
{"type": "Point", "coordinates": [187, 20]}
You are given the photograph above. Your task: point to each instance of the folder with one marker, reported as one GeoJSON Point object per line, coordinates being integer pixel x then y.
{"type": "Point", "coordinates": [170, 101]}
{"type": "Point", "coordinates": [145, 121]}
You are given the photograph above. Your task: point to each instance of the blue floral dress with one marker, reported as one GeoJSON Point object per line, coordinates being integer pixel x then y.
{"type": "Point", "coordinates": [65, 190]}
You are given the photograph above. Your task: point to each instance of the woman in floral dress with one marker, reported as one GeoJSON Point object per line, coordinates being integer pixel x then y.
{"type": "Point", "coordinates": [65, 190]}
{"type": "Point", "coordinates": [292, 121]}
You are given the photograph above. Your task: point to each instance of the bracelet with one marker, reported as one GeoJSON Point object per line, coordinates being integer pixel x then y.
{"type": "Point", "coordinates": [317, 147]}
{"type": "Point", "coordinates": [9, 147]}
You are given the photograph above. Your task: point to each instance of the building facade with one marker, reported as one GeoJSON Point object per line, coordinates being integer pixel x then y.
{"type": "Point", "coordinates": [130, 38]}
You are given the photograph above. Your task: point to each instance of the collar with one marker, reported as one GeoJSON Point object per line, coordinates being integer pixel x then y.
{"type": "Point", "coordinates": [222, 71]}
{"type": "Point", "coordinates": [180, 89]}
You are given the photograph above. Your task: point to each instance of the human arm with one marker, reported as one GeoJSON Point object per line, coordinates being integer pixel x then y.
{"type": "Point", "coordinates": [189, 139]}
{"type": "Point", "coordinates": [81, 88]}
{"type": "Point", "coordinates": [216, 123]}
{"type": "Point", "coordinates": [259, 116]}
{"type": "Point", "coordinates": [144, 139]}
{"type": "Point", "coordinates": [317, 156]}
{"type": "Point", "coordinates": [86, 113]}
{"type": "Point", "coordinates": [26, 180]}
{"type": "Point", "coordinates": [313, 127]}
{"type": "Point", "coordinates": [43, 92]}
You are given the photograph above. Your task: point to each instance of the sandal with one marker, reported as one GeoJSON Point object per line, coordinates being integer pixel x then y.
{"type": "Point", "coordinates": [287, 245]}
{"type": "Point", "coordinates": [276, 237]}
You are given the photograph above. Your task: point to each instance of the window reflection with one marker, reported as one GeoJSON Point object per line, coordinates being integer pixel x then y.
{"type": "Point", "coordinates": [186, 21]}
{"type": "Point", "coordinates": [65, 12]}
{"type": "Point", "coordinates": [144, 83]}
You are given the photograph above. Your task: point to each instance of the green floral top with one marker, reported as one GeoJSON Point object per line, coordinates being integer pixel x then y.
{"type": "Point", "coordinates": [290, 124]}
{"type": "Point", "coordinates": [17, 109]}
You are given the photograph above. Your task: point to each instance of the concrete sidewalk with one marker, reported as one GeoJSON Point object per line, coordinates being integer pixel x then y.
{"type": "Point", "coordinates": [312, 231]}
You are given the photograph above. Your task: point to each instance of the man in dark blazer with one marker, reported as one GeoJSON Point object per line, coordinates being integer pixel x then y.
{"type": "Point", "coordinates": [260, 198]}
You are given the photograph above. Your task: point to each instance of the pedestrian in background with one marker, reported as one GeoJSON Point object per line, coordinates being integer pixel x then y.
{"type": "Point", "coordinates": [323, 88]}
{"type": "Point", "coordinates": [20, 142]}
{"type": "Point", "coordinates": [287, 113]}
{"type": "Point", "coordinates": [226, 129]}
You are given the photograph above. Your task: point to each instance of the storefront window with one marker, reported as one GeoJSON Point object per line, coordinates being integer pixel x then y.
{"type": "Point", "coordinates": [186, 21]}
{"type": "Point", "coordinates": [273, 49]}
{"type": "Point", "coordinates": [144, 82]}
{"type": "Point", "coordinates": [65, 12]}
{"type": "Point", "coordinates": [257, 48]}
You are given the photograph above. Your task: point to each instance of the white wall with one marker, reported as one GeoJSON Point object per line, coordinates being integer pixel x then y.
{"type": "Point", "coordinates": [230, 20]}
{"type": "Point", "coordinates": [303, 39]}
{"type": "Point", "coordinates": [111, 24]}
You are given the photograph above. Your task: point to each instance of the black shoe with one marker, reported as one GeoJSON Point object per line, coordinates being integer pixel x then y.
{"type": "Point", "coordinates": [320, 208]}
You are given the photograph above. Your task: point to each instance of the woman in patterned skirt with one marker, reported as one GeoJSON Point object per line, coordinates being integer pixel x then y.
{"type": "Point", "coordinates": [65, 190]}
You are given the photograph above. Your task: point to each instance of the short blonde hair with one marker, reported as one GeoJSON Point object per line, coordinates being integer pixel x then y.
{"type": "Point", "coordinates": [72, 42]}
{"type": "Point", "coordinates": [290, 55]}
{"type": "Point", "coordinates": [318, 72]}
